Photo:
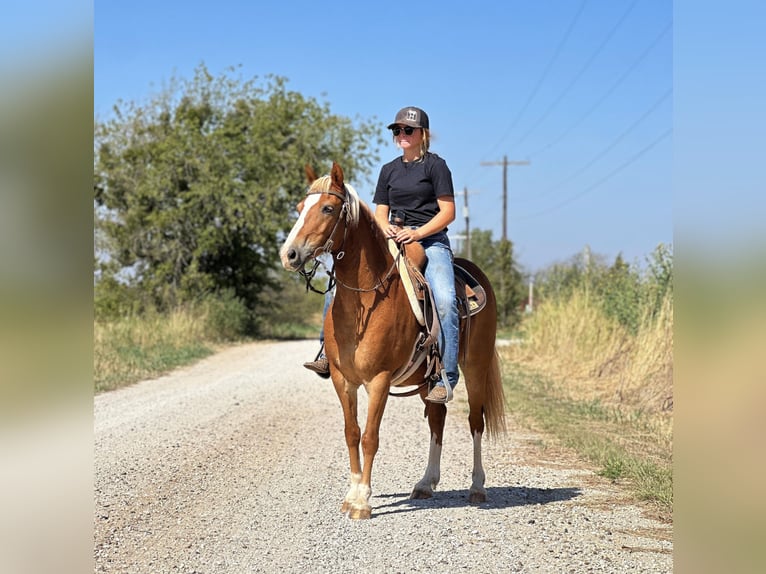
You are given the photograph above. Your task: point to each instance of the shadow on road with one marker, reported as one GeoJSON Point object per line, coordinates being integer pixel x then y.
{"type": "Point", "coordinates": [497, 497]}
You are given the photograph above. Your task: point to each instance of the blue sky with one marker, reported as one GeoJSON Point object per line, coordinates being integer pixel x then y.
{"type": "Point", "coordinates": [583, 90]}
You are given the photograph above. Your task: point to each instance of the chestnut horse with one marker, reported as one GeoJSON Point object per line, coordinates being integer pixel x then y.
{"type": "Point", "coordinates": [371, 331]}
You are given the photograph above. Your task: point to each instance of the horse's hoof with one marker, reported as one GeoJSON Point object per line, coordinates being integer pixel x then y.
{"type": "Point", "coordinates": [419, 494]}
{"type": "Point", "coordinates": [360, 513]}
{"type": "Point", "coordinates": [344, 508]}
{"type": "Point", "coordinates": [477, 497]}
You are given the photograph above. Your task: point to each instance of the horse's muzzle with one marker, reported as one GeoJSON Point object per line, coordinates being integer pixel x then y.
{"type": "Point", "coordinates": [293, 258]}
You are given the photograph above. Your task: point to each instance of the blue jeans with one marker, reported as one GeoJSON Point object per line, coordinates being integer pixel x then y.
{"type": "Point", "coordinates": [328, 297]}
{"type": "Point", "coordinates": [441, 276]}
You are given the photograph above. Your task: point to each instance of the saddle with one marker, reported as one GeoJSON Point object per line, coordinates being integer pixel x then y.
{"type": "Point", "coordinates": [471, 298]}
{"type": "Point", "coordinates": [411, 259]}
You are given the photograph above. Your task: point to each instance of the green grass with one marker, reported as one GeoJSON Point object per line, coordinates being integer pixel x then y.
{"type": "Point", "coordinates": [629, 449]}
{"type": "Point", "coordinates": [131, 362]}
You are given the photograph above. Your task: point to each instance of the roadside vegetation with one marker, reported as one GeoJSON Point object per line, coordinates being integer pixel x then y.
{"type": "Point", "coordinates": [143, 343]}
{"type": "Point", "coordinates": [593, 367]}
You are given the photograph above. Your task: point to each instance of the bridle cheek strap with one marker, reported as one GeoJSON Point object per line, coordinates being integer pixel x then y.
{"type": "Point", "coordinates": [327, 247]}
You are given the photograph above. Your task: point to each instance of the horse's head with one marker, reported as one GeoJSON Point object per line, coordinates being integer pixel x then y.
{"type": "Point", "coordinates": [329, 206]}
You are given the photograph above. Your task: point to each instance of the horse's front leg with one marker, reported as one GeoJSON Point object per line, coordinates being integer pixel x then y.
{"type": "Point", "coordinates": [437, 414]}
{"type": "Point", "coordinates": [358, 500]}
{"type": "Point", "coordinates": [348, 399]}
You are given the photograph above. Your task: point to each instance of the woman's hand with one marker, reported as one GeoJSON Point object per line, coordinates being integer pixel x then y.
{"type": "Point", "coordinates": [402, 234]}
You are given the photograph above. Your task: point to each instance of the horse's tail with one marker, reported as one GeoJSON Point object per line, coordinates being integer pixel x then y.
{"type": "Point", "coordinates": [494, 404]}
{"type": "Point", "coordinates": [481, 363]}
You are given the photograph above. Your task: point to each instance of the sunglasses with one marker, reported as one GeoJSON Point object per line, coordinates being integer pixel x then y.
{"type": "Point", "coordinates": [407, 130]}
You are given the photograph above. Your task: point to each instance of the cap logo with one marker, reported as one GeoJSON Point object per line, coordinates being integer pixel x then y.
{"type": "Point", "coordinates": [412, 115]}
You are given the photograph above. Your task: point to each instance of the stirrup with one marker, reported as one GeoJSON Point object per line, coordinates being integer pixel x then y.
{"type": "Point", "coordinates": [436, 395]}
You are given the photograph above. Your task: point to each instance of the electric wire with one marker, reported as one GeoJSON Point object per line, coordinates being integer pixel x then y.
{"type": "Point", "coordinates": [606, 94]}
{"type": "Point", "coordinates": [578, 75]}
{"type": "Point", "coordinates": [604, 151]}
{"type": "Point", "coordinates": [542, 78]}
{"type": "Point", "coordinates": [635, 157]}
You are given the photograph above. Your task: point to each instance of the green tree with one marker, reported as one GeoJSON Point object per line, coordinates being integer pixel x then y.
{"type": "Point", "coordinates": [659, 277]}
{"type": "Point", "coordinates": [619, 291]}
{"type": "Point", "coordinates": [560, 280]}
{"type": "Point", "coordinates": [195, 190]}
{"type": "Point", "coordinates": [497, 260]}
{"type": "Point", "coordinates": [625, 292]}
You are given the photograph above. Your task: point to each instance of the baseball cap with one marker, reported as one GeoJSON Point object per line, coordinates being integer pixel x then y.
{"type": "Point", "coordinates": [411, 116]}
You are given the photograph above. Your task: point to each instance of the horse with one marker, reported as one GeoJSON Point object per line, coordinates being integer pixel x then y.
{"type": "Point", "coordinates": [370, 332]}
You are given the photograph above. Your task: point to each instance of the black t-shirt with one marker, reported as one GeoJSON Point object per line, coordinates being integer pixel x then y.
{"type": "Point", "coordinates": [410, 189]}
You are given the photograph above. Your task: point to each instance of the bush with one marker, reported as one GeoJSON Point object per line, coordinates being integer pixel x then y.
{"type": "Point", "coordinates": [227, 318]}
{"type": "Point", "coordinates": [113, 299]}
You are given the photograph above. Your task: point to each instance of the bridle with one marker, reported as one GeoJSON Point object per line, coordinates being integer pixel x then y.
{"type": "Point", "coordinates": [336, 256]}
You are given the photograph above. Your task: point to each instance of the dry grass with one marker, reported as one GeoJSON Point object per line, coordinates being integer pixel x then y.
{"type": "Point", "coordinates": [599, 389]}
{"type": "Point", "coordinates": [134, 348]}
{"type": "Point", "coordinates": [596, 359]}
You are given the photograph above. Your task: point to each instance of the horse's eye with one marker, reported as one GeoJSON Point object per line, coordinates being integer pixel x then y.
{"type": "Point", "coordinates": [327, 209]}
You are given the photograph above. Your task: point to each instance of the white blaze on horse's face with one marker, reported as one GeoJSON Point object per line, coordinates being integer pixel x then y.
{"type": "Point", "coordinates": [297, 248]}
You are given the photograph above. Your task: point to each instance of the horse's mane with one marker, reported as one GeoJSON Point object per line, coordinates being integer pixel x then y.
{"type": "Point", "coordinates": [356, 205]}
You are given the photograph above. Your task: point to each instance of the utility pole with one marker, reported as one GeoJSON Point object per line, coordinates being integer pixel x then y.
{"type": "Point", "coordinates": [505, 163]}
{"type": "Point", "coordinates": [467, 226]}
{"type": "Point", "coordinates": [531, 304]}
{"type": "Point", "coordinates": [467, 235]}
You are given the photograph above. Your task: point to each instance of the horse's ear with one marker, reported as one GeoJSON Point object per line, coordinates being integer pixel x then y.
{"type": "Point", "coordinates": [310, 173]}
{"type": "Point", "coordinates": [337, 175]}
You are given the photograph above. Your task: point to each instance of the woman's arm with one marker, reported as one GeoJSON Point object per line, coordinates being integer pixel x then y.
{"type": "Point", "coordinates": [381, 216]}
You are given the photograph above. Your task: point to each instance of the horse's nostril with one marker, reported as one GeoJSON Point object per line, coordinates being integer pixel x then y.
{"type": "Point", "coordinates": [292, 254]}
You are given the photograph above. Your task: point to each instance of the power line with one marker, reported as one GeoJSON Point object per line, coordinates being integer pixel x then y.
{"type": "Point", "coordinates": [542, 78]}
{"type": "Point", "coordinates": [608, 92]}
{"type": "Point", "coordinates": [609, 147]}
{"type": "Point", "coordinates": [603, 180]}
{"type": "Point", "coordinates": [579, 74]}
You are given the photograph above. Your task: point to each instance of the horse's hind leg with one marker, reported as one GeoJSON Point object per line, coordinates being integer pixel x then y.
{"type": "Point", "coordinates": [436, 415]}
{"type": "Point", "coordinates": [477, 493]}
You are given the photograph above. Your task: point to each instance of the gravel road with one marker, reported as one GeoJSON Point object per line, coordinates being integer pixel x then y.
{"type": "Point", "coordinates": [238, 464]}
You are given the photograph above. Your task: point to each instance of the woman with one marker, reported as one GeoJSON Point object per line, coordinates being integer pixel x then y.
{"type": "Point", "coordinates": [416, 191]}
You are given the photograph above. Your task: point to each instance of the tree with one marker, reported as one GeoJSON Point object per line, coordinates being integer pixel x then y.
{"type": "Point", "coordinates": [496, 260]}
{"type": "Point", "coordinates": [196, 189]}
{"type": "Point", "coordinates": [619, 290]}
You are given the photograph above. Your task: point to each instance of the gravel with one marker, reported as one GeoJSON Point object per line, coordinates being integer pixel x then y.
{"type": "Point", "coordinates": [238, 464]}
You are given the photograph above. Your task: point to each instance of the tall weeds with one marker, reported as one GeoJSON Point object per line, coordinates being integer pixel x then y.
{"type": "Point", "coordinates": [605, 331]}
{"type": "Point", "coordinates": [595, 357]}
{"type": "Point", "coordinates": [594, 366]}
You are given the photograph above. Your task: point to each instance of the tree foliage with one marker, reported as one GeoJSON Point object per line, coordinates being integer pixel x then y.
{"type": "Point", "coordinates": [195, 190]}
{"type": "Point", "coordinates": [497, 260]}
{"type": "Point", "coordinates": [627, 293]}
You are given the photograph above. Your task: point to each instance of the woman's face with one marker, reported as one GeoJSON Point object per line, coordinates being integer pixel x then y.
{"type": "Point", "coordinates": [405, 141]}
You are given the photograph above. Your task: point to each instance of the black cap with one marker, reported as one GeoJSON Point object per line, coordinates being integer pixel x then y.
{"type": "Point", "coordinates": [410, 116]}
